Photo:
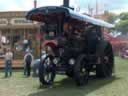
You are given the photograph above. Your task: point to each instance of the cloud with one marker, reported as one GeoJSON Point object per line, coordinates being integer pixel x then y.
{"type": "Point", "coordinates": [109, 5]}
{"type": "Point", "coordinates": [49, 2]}
{"type": "Point", "coordinates": [21, 5]}
{"type": "Point", "coordinates": [119, 10]}
{"type": "Point", "coordinates": [9, 4]}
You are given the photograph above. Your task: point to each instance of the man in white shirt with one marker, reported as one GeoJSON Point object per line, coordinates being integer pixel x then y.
{"type": "Point", "coordinates": [8, 62]}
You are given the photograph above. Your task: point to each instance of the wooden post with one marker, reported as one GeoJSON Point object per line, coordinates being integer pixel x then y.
{"type": "Point", "coordinates": [39, 43]}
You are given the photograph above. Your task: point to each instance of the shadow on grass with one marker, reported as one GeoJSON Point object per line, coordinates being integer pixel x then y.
{"type": "Point", "coordinates": [67, 87]}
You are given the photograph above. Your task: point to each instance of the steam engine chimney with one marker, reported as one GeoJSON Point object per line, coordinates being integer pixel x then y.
{"type": "Point", "coordinates": [35, 3]}
{"type": "Point", "coordinates": [66, 3]}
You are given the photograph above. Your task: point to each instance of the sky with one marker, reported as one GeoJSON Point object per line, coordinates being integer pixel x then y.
{"type": "Point", "coordinates": [116, 6]}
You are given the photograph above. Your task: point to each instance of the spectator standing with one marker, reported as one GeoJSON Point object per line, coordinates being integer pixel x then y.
{"type": "Point", "coordinates": [8, 62]}
{"type": "Point", "coordinates": [28, 59]}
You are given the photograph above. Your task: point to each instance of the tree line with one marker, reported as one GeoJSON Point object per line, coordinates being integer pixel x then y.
{"type": "Point", "coordinates": [120, 21]}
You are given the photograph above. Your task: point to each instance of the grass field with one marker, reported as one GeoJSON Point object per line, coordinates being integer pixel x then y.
{"type": "Point", "coordinates": [18, 85]}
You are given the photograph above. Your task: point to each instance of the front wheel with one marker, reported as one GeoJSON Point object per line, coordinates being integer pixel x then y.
{"type": "Point", "coordinates": [81, 72]}
{"type": "Point", "coordinates": [47, 71]}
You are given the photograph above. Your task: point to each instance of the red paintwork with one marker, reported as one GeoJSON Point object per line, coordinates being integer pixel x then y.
{"type": "Point", "coordinates": [116, 44]}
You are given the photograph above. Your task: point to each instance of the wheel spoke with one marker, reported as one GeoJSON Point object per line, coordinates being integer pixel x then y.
{"type": "Point", "coordinates": [80, 71]}
{"type": "Point", "coordinates": [48, 77]}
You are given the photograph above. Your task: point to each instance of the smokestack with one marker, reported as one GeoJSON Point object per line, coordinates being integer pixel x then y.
{"type": "Point", "coordinates": [35, 3]}
{"type": "Point", "coordinates": [97, 7]}
{"type": "Point", "coordinates": [66, 3]}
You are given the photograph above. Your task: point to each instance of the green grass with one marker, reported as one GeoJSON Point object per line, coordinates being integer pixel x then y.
{"type": "Point", "coordinates": [18, 85]}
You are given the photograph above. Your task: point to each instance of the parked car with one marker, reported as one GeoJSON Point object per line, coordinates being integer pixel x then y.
{"type": "Point", "coordinates": [124, 52]}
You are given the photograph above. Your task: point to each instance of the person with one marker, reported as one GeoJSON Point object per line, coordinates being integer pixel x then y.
{"type": "Point", "coordinates": [28, 59]}
{"type": "Point", "coordinates": [25, 72]}
{"type": "Point", "coordinates": [8, 62]}
{"type": "Point", "coordinates": [25, 44]}
{"type": "Point", "coordinates": [92, 39]}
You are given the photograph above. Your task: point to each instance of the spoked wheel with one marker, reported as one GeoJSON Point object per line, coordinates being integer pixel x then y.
{"type": "Point", "coordinates": [47, 71]}
{"type": "Point", "coordinates": [81, 73]}
{"type": "Point", "coordinates": [106, 67]}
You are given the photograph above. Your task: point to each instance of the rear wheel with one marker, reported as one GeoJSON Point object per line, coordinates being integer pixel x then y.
{"type": "Point", "coordinates": [47, 71]}
{"type": "Point", "coordinates": [105, 69]}
{"type": "Point", "coordinates": [81, 73]}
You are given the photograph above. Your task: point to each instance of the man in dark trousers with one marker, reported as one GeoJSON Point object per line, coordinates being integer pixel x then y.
{"type": "Point", "coordinates": [28, 61]}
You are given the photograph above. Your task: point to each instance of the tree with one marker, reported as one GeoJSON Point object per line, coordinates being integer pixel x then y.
{"type": "Point", "coordinates": [123, 16]}
{"type": "Point", "coordinates": [111, 17]}
{"type": "Point", "coordinates": [122, 25]}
